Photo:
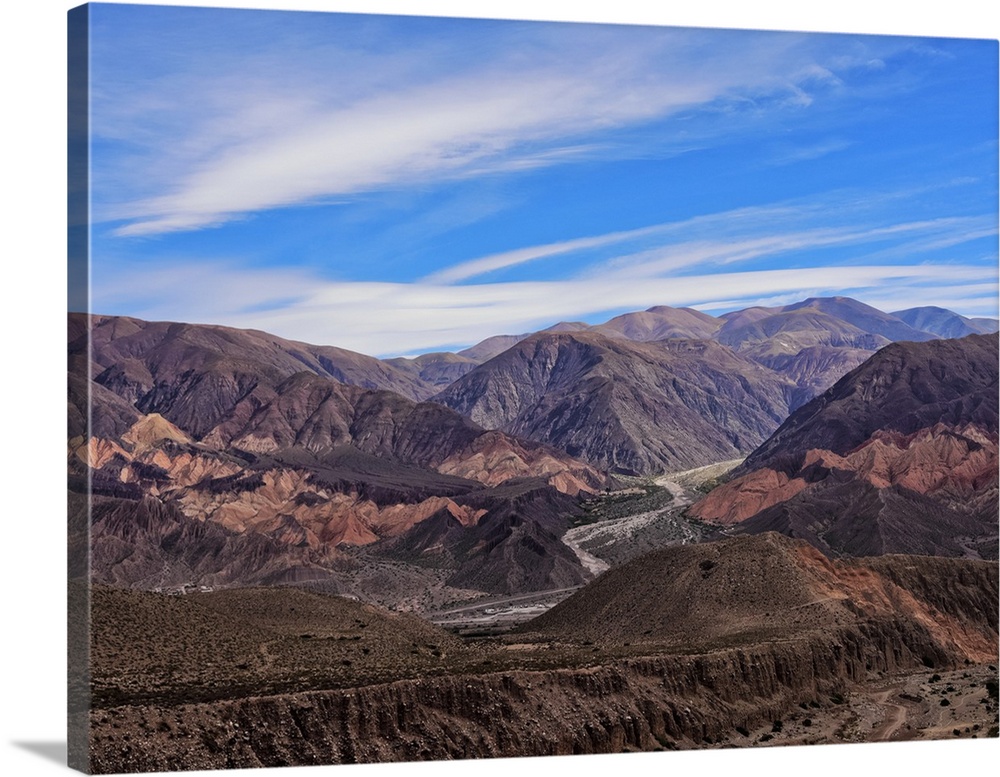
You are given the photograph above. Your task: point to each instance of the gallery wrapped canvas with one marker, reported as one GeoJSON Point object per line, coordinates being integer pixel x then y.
{"type": "Point", "coordinates": [448, 388]}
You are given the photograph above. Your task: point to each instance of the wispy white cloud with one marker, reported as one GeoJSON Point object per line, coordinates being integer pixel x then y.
{"type": "Point", "coordinates": [501, 261]}
{"type": "Point", "coordinates": [934, 233]}
{"type": "Point", "coordinates": [204, 148]}
{"type": "Point", "coordinates": [791, 156]}
{"type": "Point", "coordinates": [424, 133]}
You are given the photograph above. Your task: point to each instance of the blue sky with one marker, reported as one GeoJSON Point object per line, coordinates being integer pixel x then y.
{"type": "Point", "coordinates": [395, 185]}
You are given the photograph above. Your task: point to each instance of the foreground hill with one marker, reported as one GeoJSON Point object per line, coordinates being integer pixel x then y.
{"type": "Point", "coordinates": [748, 590]}
{"type": "Point", "coordinates": [250, 639]}
{"type": "Point", "coordinates": [625, 406]}
{"type": "Point", "coordinates": [899, 456]}
{"type": "Point", "coordinates": [690, 647]}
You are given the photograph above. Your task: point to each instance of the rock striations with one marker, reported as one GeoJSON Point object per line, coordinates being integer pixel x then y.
{"type": "Point", "coordinates": [900, 456]}
{"type": "Point", "coordinates": [226, 435]}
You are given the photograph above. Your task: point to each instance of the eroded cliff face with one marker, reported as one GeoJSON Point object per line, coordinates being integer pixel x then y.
{"type": "Point", "coordinates": [638, 703]}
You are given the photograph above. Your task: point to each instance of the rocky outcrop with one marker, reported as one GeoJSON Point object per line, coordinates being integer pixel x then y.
{"type": "Point", "coordinates": [746, 590]}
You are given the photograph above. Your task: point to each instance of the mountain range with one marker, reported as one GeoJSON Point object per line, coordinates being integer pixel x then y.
{"type": "Point", "coordinates": [856, 542]}
{"type": "Point", "coordinates": [285, 458]}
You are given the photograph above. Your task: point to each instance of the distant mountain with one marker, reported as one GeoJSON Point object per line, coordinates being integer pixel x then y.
{"type": "Point", "coordinates": [787, 332]}
{"type": "Point", "coordinates": [862, 316]}
{"type": "Point", "coordinates": [945, 323]}
{"type": "Point", "coordinates": [490, 347]}
{"type": "Point", "coordinates": [768, 588]}
{"type": "Point", "coordinates": [625, 406]}
{"type": "Point", "coordinates": [900, 456]}
{"type": "Point", "coordinates": [435, 369]}
{"type": "Point", "coordinates": [659, 323]}
{"type": "Point", "coordinates": [813, 342]}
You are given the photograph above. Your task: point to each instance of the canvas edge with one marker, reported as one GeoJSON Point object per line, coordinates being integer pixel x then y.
{"type": "Point", "coordinates": [78, 300]}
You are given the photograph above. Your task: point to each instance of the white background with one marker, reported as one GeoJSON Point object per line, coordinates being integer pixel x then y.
{"type": "Point", "coordinates": [32, 360]}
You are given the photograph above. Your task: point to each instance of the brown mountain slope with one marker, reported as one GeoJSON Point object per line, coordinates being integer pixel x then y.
{"type": "Point", "coordinates": [166, 367]}
{"type": "Point", "coordinates": [748, 590]}
{"type": "Point", "coordinates": [515, 545]}
{"type": "Point", "coordinates": [625, 406]}
{"type": "Point", "coordinates": [864, 317]}
{"type": "Point", "coordinates": [901, 455]}
{"type": "Point", "coordinates": [816, 341]}
{"type": "Point", "coordinates": [435, 369]}
{"type": "Point", "coordinates": [789, 331]}
{"type": "Point", "coordinates": [813, 369]}
{"type": "Point", "coordinates": [813, 342]}
{"type": "Point", "coordinates": [905, 387]}
{"type": "Point", "coordinates": [316, 414]}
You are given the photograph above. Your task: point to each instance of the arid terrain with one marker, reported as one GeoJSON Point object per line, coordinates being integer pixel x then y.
{"type": "Point", "coordinates": [669, 531]}
{"type": "Point", "coordinates": [842, 652]}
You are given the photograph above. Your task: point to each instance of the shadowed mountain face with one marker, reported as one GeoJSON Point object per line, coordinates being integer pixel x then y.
{"type": "Point", "coordinates": [904, 388]}
{"type": "Point", "coordinates": [514, 546]}
{"type": "Point", "coordinates": [435, 369]}
{"type": "Point", "coordinates": [748, 590]}
{"type": "Point", "coordinates": [625, 406]}
{"type": "Point", "coordinates": [900, 456]}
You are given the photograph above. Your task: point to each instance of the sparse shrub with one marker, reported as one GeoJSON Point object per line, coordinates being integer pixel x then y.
{"type": "Point", "coordinates": [777, 726]}
{"type": "Point", "coordinates": [742, 731]}
{"type": "Point", "coordinates": [945, 703]}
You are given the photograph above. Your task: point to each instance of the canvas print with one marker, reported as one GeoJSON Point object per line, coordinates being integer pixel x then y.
{"type": "Point", "coordinates": [451, 388]}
